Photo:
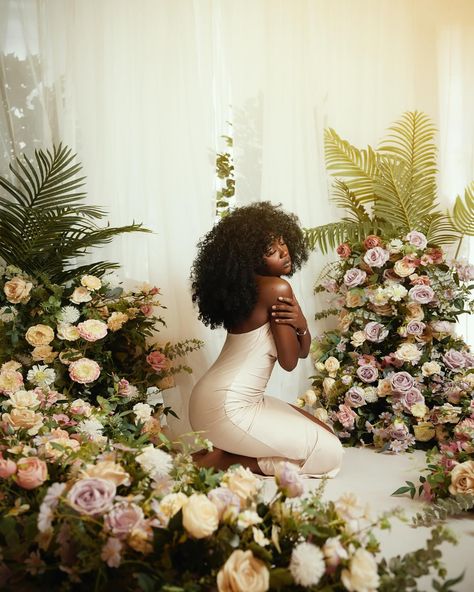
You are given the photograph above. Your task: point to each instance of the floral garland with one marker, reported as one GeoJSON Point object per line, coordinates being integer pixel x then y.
{"type": "Point", "coordinates": [394, 373]}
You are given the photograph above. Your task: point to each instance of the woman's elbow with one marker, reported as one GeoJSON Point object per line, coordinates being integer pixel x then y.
{"type": "Point", "coordinates": [288, 365]}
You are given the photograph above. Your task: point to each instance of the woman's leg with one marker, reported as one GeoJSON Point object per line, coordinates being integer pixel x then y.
{"type": "Point", "coordinates": [222, 460]}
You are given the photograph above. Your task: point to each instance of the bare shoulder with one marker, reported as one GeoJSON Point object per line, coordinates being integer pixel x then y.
{"type": "Point", "coordinates": [270, 288]}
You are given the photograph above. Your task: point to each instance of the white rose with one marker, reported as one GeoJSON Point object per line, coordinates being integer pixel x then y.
{"type": "Point", "coordinates": [242, 482]}
{"type": "Point", "coordinates": [321, 414]}
{"type": "Point", "coordinates": [172, 503]}
{"type": "Point", "coordinates": [358, 338]}
{"type": "Point", "coordinates": [362, 574]}
{"type": "Point", "coordinates": [200, 516]}
{"type": "Point", "coordinates": [309, 397]}
{"type": "Point", "coordinates": [462, 478]}
{"type": "Point", "coordinates": [332, 366]}
{"type": "Point", "coordinates": [430, 368]}
{"type": "Point", "coordinates": [403, 269]}
{"type": "Point", "coordinates": [328, 384]}
{"type": "Point", "coordinates": [24, 399]}
{"type": "Point", "coordinates": [408, 352]}
{"type": "Point", "coordinates": [243, 572]}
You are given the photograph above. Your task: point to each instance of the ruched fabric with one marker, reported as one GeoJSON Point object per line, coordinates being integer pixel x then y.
{"type": "Point", "coordinates": [230, 407]}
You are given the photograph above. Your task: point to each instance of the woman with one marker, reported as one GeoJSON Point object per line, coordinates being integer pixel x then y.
{"type": "Point", "coordinates": [237, 282]}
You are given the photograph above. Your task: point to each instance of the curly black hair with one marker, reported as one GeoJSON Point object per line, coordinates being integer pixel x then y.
{"type": "Point", "coordinates": [223, 274]}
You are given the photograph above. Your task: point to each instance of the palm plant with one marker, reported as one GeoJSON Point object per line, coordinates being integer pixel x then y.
{"type": "Point", "coordinates": [391, 190]}
{"type": "Point", "coordinates": [45, 225]}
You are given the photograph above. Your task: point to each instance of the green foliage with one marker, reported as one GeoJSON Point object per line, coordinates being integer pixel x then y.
{"type": "Point", "coordinates": [225, 172]}
{"type": "Point", "coordinates": [44, 223]}
{"type": "Point", "coordinates": [443, 508]}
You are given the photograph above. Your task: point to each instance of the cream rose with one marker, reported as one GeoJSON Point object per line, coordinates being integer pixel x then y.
{"type": "Point", "coordinates": [200, 516]}
{"type": "Point", "coordinates": [68, 332]}
{"type": "Point", "coordinates": [108, 470]}
{"type": "Point", "coordinates": [172, 503]}
{"type": "Point", "coordinates": [321, 414]}
{"type": "Point", "coordinates": [328, 385]}
{"type": "Point", "coordinates": [362, 574]}
{"type": "Point", "coordinates": [243, 572]}
{"type": "Point", "coordinates": [384, 387]}
{"type": "Point", "coordinates": [242, 482]}
{"type": "Point", "coordinates": [309, 397]}
{"type": "Point", "coordinates": [358, 338]}
{"type": "Point", "coordinates": [91, 282]}
{"type": "Point", "coordinates": [84, 371]}
{"type": "Point", "coordinates": [24, 399]}
{"type": "Point", "coordinates": [415, 311]}
{"type": "Point", "coordinates": [462, 478]}
{"type": "Point", "coordinates": [430, 368]}
{"type": "Point", "coordinates": [116, 321]}
{"type": "Point", "coordinates": [24, 419]}
{"type": "Point", "coordinates": [17, 290]}
{"type": "Point", "coordinates": [44, 353]}
{"type": "Point", "coordinates": [39, 335]}
{"type": "Point", "coordinates": [408, 352]}
{"type": "Point", "coordinates": [32, 472]}
{"type": "Point", "coordinates": [80, 295]}
{"type": "Point", "coordinates": [403, 269]}
{"type": "Point", "coordinates": [332, 365]}
{"type": "Point", "coordinates": [11, 365]}
{"type": "Point", "coordinates": [354, 298]}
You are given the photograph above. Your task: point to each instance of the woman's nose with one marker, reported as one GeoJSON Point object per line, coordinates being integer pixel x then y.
{"type": "Point", "coordinates": [283, 250]}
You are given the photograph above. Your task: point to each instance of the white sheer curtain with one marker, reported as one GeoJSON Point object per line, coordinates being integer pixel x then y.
{"type": "Point", "coordinates": [143, 91]}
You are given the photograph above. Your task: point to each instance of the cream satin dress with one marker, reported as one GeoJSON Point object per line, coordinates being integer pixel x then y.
{"type": "Point", "coordinates": [230, 407]}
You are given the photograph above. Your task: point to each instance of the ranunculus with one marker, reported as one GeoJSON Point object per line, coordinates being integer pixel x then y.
{"type": "Point", "coordinates": [454, 360]}
{"type": "Point", "coordinates": [39, 335]}
{"type": "Point", "coordinates": [116, 320]}
{"type": "Point", "coordinates": [242, 572]}
{"type": "Point", "coordinates": [402, 381]}
{"type": "Point", "coordinates": [403, 268]}
{"type": "Point", "coordinates": [108, 470]}
{"type": "Point", "coordinates": [7, 467]}
{"type": "Point", "coordinates": [430, 368]}
{"type": "Point", "coordinates": [68, 332]}
{"type": "Point", "coordinates": [84, 371]}
{"type": "Point", "coordinates": [44, 353]}
{"type": "Point", "coordinates": [375, 332]}
{"type": "Point", "coordinates": [376, 257]}
{"type": "Point", "coordinates": [354, 277]}
{"type": "Point", "coordinates": [462, 478]}
{"type": "Point", "coordinates": [372, 241]}
{"type": "Point", "coordinates": [200, 516]}
{"type": "Point", "coordinates": [288, 479]}
{"type": "Point", "coordinates": [408, 352]}
{"type": "Point", "coordinates": [367, 373]}
{"type": "Point", "coordinates": [243, 483]}
{"type": "Point", "coordinates": [346, 416]}
{"type": "Point", "coordinates": [421, 294]}
{"type": "Point", "coordinates": [80, 295]}
{"type": "Point", "coordinates": [415, 327]}
{"type": "Point", "coordinates": [123, 518]}
{"type": "Point", "coordinates": [343, 250]}
{"type": "Point", "coordinates": [32, 472]}
{"type": "Point", "coordinates": [417, 239]}
{"type": "Point", "coordinates": [91, 282]}
{"type": "Point", "coordinates": [24, 419]}
{"type": "Point", "coordinates": [92, 496]}
{"type": "Point", "coordinates": [157, 361]}
{"type": "Point", "coordinates": [362, 574]}
{"type": "Point", "coordinates": [92, 330]}
{"type": "Point", "coordinates": [17, 290]}
{"type": "Point", "coordinates": [332, 366]}
{"type": "Point", "coordinates": [355, 397]}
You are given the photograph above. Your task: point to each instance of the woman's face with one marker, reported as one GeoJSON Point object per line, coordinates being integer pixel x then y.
{"type": "Point", "coordinates": [277, 260]}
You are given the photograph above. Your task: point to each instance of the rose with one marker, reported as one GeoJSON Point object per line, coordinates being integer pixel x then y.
{"type": "Point", "coordinates": [39, 335]}
{"type": "Point", "coordinates": [454, 360]}
{"type": "Point", "coordinates": [417, 239]}
{"type": "Point", "coordinates": [395, 246]}
{"type": "Point", "coordinates": [17, 290]}
{"type": "Point", "coordinates": [332, 366]}
{"type": "Point", "coordinates": [462, 478]}
{"type": "Point", "coordinates": [44, 353]}
{"type": "Point", "coordinates": [7, 467]}
{"type": "Point", "coordinates": [84, 371]}
{"type": "Point", "coordinates": [334, 552]}
{"type": "Point", "coordinates": [372, 241]}
{"type": "Point", "coordinates": [415, 311]}
{"type": "Point", "coordinates": [92, 330]}
{"type": "Point", "coordinates": [242, 572]}
{"type": "Point", "coordinates": [225, 500]}
{"type": "Point", "coordinates": [411, 397]}
{"type": "Point", "coordinates": [24, 399]}
{"type": "Point", "coordinates": [442, 327]}
{"type": "Point", "coordinates": [421, 294]}
{"type": "Point", "coordinates": [123, 518]}
{"type": "Point", "coordinates": [430, 368]}
{"type": "Point", "coordinates": [354, 277]}
{"type": "Point", "coordinates": [343, 250]}
{"type": "Point", "coordinates": [56, 444]}
{"type": "Point", "coordinates": [147, 309]}
{"type": "Point", "coordinates": [24, 419]}
{"type": "Point", "coordinates": [91, 282]}
{"type": "Point", "coordinates": [80, 295]}
{"type": "Point", "coordinates": [32, 472]}
{"type": "Point", "coordinates": [384, 387]}
{"type": "Point", "coordinates": [80, 407]}
{"type": "Point", "coordinates": [355, 397]}
{"type": "Point", "coordinates": [108, 470]}
{"type": "Point", "coordinates": [68, 332]}
{"type": "Point", "coordinates": [355, 298]}
{"type": "Point", "coordinates": [116, 321]}
{"type": "Point", "coordinates": [346, 416]}
{"type": "Point", "coordinates": [402, 381]}
{"type": "Point", "coordinates": [403, 268]}
{"type": "Point", "coordinates": [321, 414]}
{"type": "Point", "coordinates": [92, 496]}
{"type": "Point", "coordinates": [171, 504]}
{"type": "Point", "coordinates": [362, 574]}
{"type": "Point", "coordinates": [288, 479]}
{"type": "Point", "coordinates": [375, 332]}
{"type": "Point", "coordinates": [436, 255]}
{"type": "Point", "coordinates": [328, 385]}
{"type": "Point", "coordinates": [157, 361]}
{"type": "Point", "coordinates": [376, 257]}
{"type": "Point", "coordinates": [309, 397]}
{"type": "Point", "coordinates": [367, 373]}
{"type": "Point", "coordinates": [415, 327]}
{"type": "Point", "coordinates": [200, 516]}
{"type": "Point", "coordinates": [242, 482]}
{"type": "Point", "coordinates": [399, 430]}
{"type": "Point", "coordinates": [142, 412]}
{"type": "Point", "coordinates": [358, 338]}
{"type": "Point", "coordinates": [408, 352]}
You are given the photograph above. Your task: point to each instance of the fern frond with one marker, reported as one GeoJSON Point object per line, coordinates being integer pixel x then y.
{"type": "Point", "coordinates": [346, 199]}
{"type": "Point", "coordinates": [357, 167]}
{"type": "Point", "coordinates": [462, 216]}
{"type": "Point", "coordinates": [330, 269]}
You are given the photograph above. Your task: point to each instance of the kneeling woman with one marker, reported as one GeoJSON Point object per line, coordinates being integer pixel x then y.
{"type": "Point", "coordinates": [237, 283]}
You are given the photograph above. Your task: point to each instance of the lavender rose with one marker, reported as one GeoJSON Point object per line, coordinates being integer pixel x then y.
{"type": "Point", "coordinates": [355, 397]}
{"type": "Point", "coordinates": [454, 360]}
{"type": "Point", "coordinates": [421, 294]}
{"type": "Point", "coordinates": [376, 257]}
{"type": "Point", "coordinates": [468, 360]}
{"type": "Point", "coordinates": [367, 373]}
{"type": "Point", "coordinates": [402, 381]}
{"type": "Point", "coordinates": [411, 397]}
{"type": "Point", "coordinates": [123, 518]}
{"type": "Point", "coordinates": [375, 332]}
{"type": "Point", "coordinates": [224, 499]}
{"type": "Point", "coordinates": [415, 327]}
{"type": "Point", "coordinates": [288, 479]}
{"type": "Point", "coordinates": [417, 239]}
{"type": "Point", "coordinates": [92, 496]}
{"type": "Point", "coordinates": [354, 277]}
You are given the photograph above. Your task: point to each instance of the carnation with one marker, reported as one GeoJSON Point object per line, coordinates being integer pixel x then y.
{"type": "Point", "coordinates": [68, 315]}
{"type": "Point", "coordinates": [91, 428]}
{"type": "Point", "coordinates": [307, 564]}
{"type": "Point", "coordinates": [154, 461]}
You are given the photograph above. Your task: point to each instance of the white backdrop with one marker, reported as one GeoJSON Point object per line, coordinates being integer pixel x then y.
{"type": "Point", "coordinates": [143, 91]}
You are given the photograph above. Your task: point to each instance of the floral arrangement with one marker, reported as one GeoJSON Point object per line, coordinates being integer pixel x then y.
{"type": "Point", "coordinates": [393, 373]}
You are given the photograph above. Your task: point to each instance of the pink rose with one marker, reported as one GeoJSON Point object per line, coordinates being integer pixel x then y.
{"type": "Point", "coordinates": [147, 309]}
{"type": "Point", "coordinates": [354, 277]}
{"type": "Point", "coordinates": [402, 381]}
{"type": "Point", "coordinates": [367, 373]}
{"type": "Point", "coordinates": [224, 499]}
{"type": "Point", "coordinates": [63, 420]}
{"type": "Point", "coordinates": [157, 360]}
{"type": "Point", "coordinates": [411, 397]}
{"type": "Point", "coordinates": [454, 360]}
{"type": "Point", "coordinates": [123, 518]}
{"type": "Point", "coordinates": [417, 239]}
{"type": "Point", "coordinates": [92, 496]}
{"type": "Point", "coordinates": [415, 327]}
{"type": "Point", "coordinates": [465, 271]}
{"type": "Point", "coordinates": [375, 332]}
{"type": "Point", "coordinates": [355, 397]}
{"type": "Point", "coordinates": [343, 250]}
{"type": "Point", "coordinates": [376, 257]}
{"type": "Point", "coordinates": [399, 431]}
{"type": "Point", "coordinates": [288, 479]}
{"type": "Point", "coordinates": [421, 294]}
{"type": "Point", "coordinates": [346, 416]}
{"type": "Point", "coordinates": [372, 241]}
{"type": "Point", "coordinates": [32, 472]}
{"type": "Point", "coordinates": [7, 467]}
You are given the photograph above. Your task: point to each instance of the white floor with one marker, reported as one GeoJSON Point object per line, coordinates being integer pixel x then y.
{"type": "Point", "coordinates": [373, 477]}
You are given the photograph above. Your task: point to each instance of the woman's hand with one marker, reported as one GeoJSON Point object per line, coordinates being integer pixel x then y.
{"type": "Point", "coordinates": [288, 312]}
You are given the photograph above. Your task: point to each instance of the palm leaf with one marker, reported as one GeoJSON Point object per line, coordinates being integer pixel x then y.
{"type": "Point", "coordinates": [462, 216]}
{"type": "Point", "coordinates": [357, 167]}
{"type": "Point", "coordinates": [344, 198]}
{"type": "Point", "coordinates": [439, 230]}
{"type": "Point", "coordinates": [330, 235]}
